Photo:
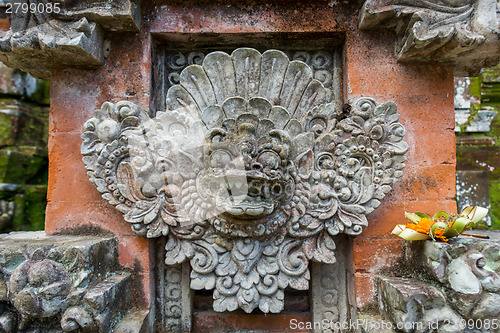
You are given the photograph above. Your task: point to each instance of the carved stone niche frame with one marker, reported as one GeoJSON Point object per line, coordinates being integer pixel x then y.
{"type": "Point", "coordinates": [252, 170]}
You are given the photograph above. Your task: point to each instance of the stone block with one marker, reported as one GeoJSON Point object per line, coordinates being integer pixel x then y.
{"type": "Point", "coordinates": [415, 305]}
{"type": "Point", "coordinates": [473, 190]}
{"type": "Point", "coordinates": [23, 206]}
{"type": "Point", "coordinates": [95, 255]}
{"type": "Point", "coordinates": [480, 122]}
{"type": "Point", "coordinates": [488, 307]}
{"type": "Point", "coordinates": [105, 292]}
{"type": "Point", "coordinates": [424, 33]}
{"type": "Point", "coordinates": [73, 37]}
{"type": "Point", "coordinates": [109, 300]}
{"type": "Point", "coordinates": [466, 268]}
{"type": "Point", "coordinates": [15, 82]}
{"type": "Point", "coordinates": [68, 282]}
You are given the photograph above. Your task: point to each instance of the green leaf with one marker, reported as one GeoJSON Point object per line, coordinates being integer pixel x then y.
{"type": "Point", "coordinates": [412, 235]}
{"type": "Point", "coordinates": [451, 233]}
{"type": "Point", "coordinates": [440, 214]}
{"type": "Point", "coordinates": [437, 225]}
{"type": "Point", "coordinates": [422, 215]}
{"type": "Point", "coordinates": [461, 224]}
{"type": "Point", "coordinates": [412, 217]}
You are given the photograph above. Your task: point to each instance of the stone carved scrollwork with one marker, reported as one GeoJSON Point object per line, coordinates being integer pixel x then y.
{"type": "Point", "coordinates": [249, 173]}
{"type": "Point", "coordinates": [61, 283]}
{"type": "Point", "coordinates": [53, 34]}
{"type": "Point", "coordinates": [464, 33]}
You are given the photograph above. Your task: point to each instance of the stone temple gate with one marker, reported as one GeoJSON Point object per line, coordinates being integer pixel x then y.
{"type": "Point", "coordinates": [234, 166]}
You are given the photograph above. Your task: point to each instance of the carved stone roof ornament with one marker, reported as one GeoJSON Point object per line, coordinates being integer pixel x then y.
{"type": "Point", "coordinates": [249, 173]}
{"type": "Point", "coordinates": [464, 33]}
{"type": "Point", "coordinates": [45, 35]}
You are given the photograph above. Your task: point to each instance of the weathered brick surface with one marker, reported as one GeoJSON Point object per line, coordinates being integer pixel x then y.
{"type": "Point", "coordinates": [424, 95]}
{"type": "Point", "coordinates": [364, 283]}
{"type": "Point", "coordinates": [370, 255]}
{"type": "Point", "coordinates": [423, 92]}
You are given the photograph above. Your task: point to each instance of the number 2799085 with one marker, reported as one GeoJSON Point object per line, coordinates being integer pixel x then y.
{"type": "Point", "coordinates": [24, 8]}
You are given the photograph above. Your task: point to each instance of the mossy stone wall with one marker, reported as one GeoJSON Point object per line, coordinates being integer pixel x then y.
{"type": "Point", "coordinates": [481, 151]}
{"type": "Point", "coordinates": [23, 150]}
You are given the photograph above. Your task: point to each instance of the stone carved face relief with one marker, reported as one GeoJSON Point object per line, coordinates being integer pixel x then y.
{"type": "Point", "coordinates": [248, 173]}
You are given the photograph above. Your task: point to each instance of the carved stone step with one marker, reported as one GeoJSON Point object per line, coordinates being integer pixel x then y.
{"type": "Point", "coordinates": [415, 306]}
{"type": "Point", "coordinates": [87, 258]}
{"type": "Point", "coordinates": [73, 283]}
{"type": "Point", "coordinates": [109, 300]}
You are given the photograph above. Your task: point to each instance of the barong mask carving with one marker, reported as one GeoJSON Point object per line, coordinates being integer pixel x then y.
{"type": "Point", "coordinates": [249, 172]}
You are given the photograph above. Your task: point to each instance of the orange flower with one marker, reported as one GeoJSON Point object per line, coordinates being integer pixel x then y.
{"type": "Point", "coordinates": [439, 233]}
{"type": "Point", "coordinates": [423, 226]}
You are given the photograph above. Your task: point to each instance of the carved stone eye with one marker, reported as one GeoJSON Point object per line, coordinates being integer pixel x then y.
{"type": "Point", "coordinates": [269, 160]}
{"type": "Point", "coordinates": [219, 158]}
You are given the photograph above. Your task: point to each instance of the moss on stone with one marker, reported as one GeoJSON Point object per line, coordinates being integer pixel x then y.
{"type": "Point", "coordinates": [23, 155]}
{"type": "Point", "coordinates": [29, 214]}
{"type": "Point", "coordinates": [23, 166]}
{"type": "Point", "coordinates": [486, 90]}
{"type": "Point", "coordinates": [7, 133]}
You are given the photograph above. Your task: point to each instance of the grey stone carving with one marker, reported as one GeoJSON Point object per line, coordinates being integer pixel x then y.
{"type": "Point", "coordinates": [329, 292]}
{"type": "Point", "coordinates": [175, 298]}
{"type": "Point", "coordinates": [451, 287]}
{"type": "Point", "coordinates": [63, 33]}
{"type": "Point", "coordinates": [461, 32]}
{"type": "Point", "coordinates": [249, 173]}
{"type": "Point", "coordinates": [61, 283]}
{"type": "Point", "coordinates": [416, 306]}
{"type": "Point", "coordinates": [323, 66]}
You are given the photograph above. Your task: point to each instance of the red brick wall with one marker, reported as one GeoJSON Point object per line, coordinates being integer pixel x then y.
{"type": "Point", "coordinates": [423, 93]}
{"type": "Point", "coordinates": [4, 19]}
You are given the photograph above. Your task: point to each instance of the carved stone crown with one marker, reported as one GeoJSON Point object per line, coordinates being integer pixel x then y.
{"type": "Point", "coordinates": [248, 173]}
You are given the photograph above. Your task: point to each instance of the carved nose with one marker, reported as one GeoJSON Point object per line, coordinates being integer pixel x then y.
{"type": "Point", "coordinates": [254, 188]}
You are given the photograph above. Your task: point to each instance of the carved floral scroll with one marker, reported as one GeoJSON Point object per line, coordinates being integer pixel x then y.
{"type": "Point", "coordinates": [249, 172]}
